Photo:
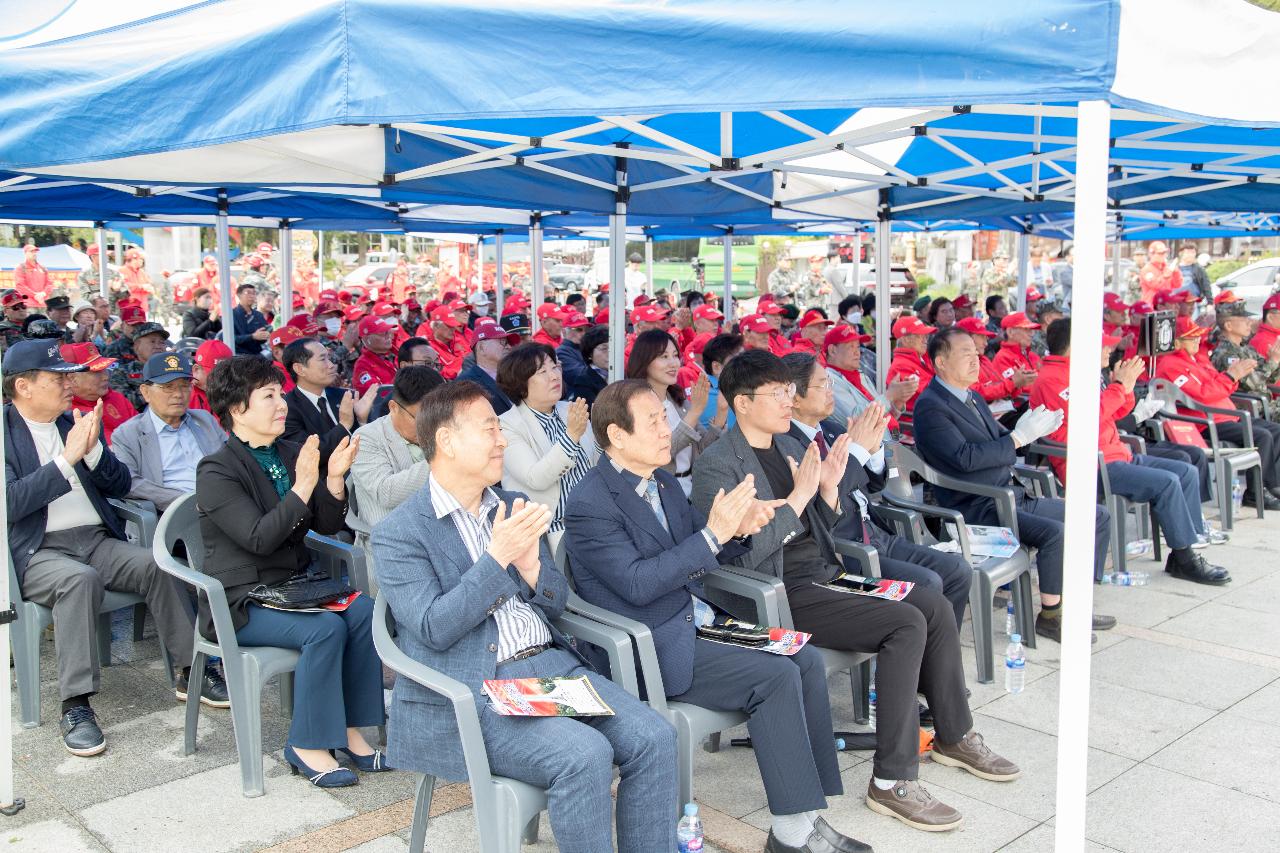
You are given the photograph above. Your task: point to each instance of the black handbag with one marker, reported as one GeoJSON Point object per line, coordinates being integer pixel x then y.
{"type": "Point", "coordinates": [300, 592]}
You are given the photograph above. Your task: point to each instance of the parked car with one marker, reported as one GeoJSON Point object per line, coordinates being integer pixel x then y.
{"type": "Point", "coordinates": [1253, 283]}
{"type": "Point", "coordinates": [369, 274]}
{"type": "Point", "coordinates": [567, 276]}
{"type": "Point", "coordinates": [902, 284]}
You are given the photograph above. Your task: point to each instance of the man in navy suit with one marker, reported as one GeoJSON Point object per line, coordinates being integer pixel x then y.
{"type": "Point", "coordinates": [470, 581]}
{"type": "Point", "coordinates": [956, 433]}
{"type": "Point", "coordinates": [492, 343]}
{"type": "Point", "coordinates": [639, 548]}
{"type": "Point", "coordinates": [900, 558]}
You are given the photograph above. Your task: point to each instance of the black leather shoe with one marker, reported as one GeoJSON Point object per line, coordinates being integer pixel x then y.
{"type": "Point", "coordinates": [80, 733]}
{"type": "Point", "coordinates": [1103, 623]}
{"type": "Point", "coordinates": [1051, 627]}
{"type": "Point", "coordinates": [1190, 566]}
{"type": "Point", "coordinates": [1268, 501]}
{"type": "Point", "coordinates": [213, 689]}
{"type": "Point", "coordinates": [823, 839]}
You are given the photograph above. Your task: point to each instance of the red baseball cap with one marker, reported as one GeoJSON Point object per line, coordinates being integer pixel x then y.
{"type": "Point", "coordinates": [602, 317]}
{"type": "Point", "coordinates": [345, 297]}
{"type": "Point", "coordinates": [911, 326]}
{"type": "Point", "coordinates": [1114, 302]}
{"type": "Point", "coordinates": [254, 261]}
{"type": "Point", "coordinates": [961, 301]}
{"type": "Point", "coordinates": [707, 312]}
{"type": "Point", "coordinates": [1111, 340]}
{"type": "Point", "coordinates": [812, 316]}
{"type": "Point", "coordinates": [284, 336]}
{"type": "Point", "coordinates": [755, 323]}
{"type": "Point", "coordinates": [1141, 307]}
{"type": "Point", "coordinates": [649, 314]}
{"type": "Point", "coordinates": [459, 305]}
{"type": "Point", "coordinates": [328, 306]}
{"type": "Point", "coordinates": [573, 320]}
{"type": "Point", "coordinates": [1185, 327]}
{"type": "Point", "coordinates": [550, 310]}
{"type": "Point", "coordinates": [303, 323]}
{"type": "Point", "coordinates": [375, 326]}
{"type": "Point", "coordinates": [1226, 297]}
{"type": "Point", "coordinates": [1033, 294]}
{"type": "Point", "coordinates": [132, 314]}
{"type": "Point", "coordinates": [211, 352]}
{"type": "Point", "coordinates": [698, 344]}
{"type": "Point", "coordinates": [448, 296]}
{"type": "Point", "coordinates": [1272, 303]}
{"type": "Point", "coordinates": [769, 307]}
{"type": "Point", "coordinates": [442, 314]}
{"type": "Point", "coordinates": [355, 312]}
{"type": "Point", "coordinates": [642, 299]}
{"type": "Point", "coordinates": [490, 331]}
{"type": "Point", "coordinates": [266, 247]}
{"type": "Point", "coordinates": [384, 309]}
{"type": "Point", "coordinates": [1173, 298]}
{"type": "Point", "coordinates": [12, 299]}
{"type": "Point", "coordinates": [86, 354]}
{"type": "Point", "coordinates": [1018, 320]}
{"type": "Point", "coordinates": [412, 304]}
{"type": "Point", "coordinates": [299, 301]}
{"type": "Point", "coordinates": [843, 333]}
{"type": "Point", "coordinates": [974, 326]}
{"type": "Point", "coordinates": [328, 294]}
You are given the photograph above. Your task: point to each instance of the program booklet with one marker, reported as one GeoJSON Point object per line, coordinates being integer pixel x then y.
{"type": "Point", "coordinates": [775, 641]}
{"type": "Point", "coordinates": [545, 697]}
{"type": "Point", "coordinates": [890, 590]}
{"type": "Point", "coordinates": [991, 541]}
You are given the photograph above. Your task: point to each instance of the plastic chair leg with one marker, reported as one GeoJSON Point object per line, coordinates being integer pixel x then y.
{"type": "Point", "coordinates": [26, 663]}
{"type": "Point", "coordinates": [1258, 488]}
{"type": "Point", "coordinates": [1155, 532]}
{"type": "Point", "coordinates": [684, 758]}
{"type": "Point", "coordinates": [1226, 502]}
{"type": "Point", "coordinates": [860, 684]}
{"type": "Point", "coordinates": [139, 621]}
{"type": "Point", "coordinates": [530, 834]}
{"type": "Point", "coordinates": [245, 687]}
{"type": "Point", "coordinates": [981, 594]}
{"type": "Point", "coordinates": [193, 705]}
{"type": "Point", "coordinates": [286, 694]}
{"type": "Point", "coordinates": [421, 814]}
{"type": "Point", "coordinates": [712, 743]}
{"type": "Point", "coordinates": [1119, 526]}
{"type": "Point", "coordinates": [104, 639]}
{"type": "Point", "coordinates": [1024, 609]}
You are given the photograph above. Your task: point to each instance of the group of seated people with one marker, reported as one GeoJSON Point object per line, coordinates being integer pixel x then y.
{"type": "Point", "coordinates": [719, 450]}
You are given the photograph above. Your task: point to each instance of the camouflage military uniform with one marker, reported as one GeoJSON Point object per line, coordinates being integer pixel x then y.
{"type": "Point", "coordinates": [126, 377]}
{"type": "Point", "coordinates": [9, 334]}
{"type": "Point", "coordinates": [995, 283]}
{"type": "Point", "coordinates": [88, 280]}
{"type": "Point", "coordinates": [343, 358]}
{"type": "Point", "coordinates": [1259, 378]}
{"type": "Point", "coordinates": [784, 281]}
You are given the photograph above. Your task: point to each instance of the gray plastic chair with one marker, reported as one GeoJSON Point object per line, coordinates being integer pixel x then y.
{"type": "Point", "coordinates": [140, 520]}
{"type": "Point", "coordinates": [506, 810]}
{"type": "Point", "coordinates": [247, 669]}
{"type": "Point", "coordinates": [988, 575]}
{"type": "Point", "coordinates": [1229, 461]}
{"type": "Point", "coordinates": [33, 618]}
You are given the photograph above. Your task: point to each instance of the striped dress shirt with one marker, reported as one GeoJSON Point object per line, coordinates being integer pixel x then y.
{"type": "Point", "coordinates": [519, 627]}
{"type": "Point", "coordinates": [558, 433]}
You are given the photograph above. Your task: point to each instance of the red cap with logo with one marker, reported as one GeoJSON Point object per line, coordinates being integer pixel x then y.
{"type": "Point", "coordinates": [13, 298]}
{"type": "Point", "coordinates": [843, 333]}
{"type": "Point", "coordinates": [813, 316]}
{"type": "Point", "coordinates": [770, 307]}
{"type": "Point", "coordinates": [266, 248]}
{"type": "Point", "coordinates": [1272, 303]}
{"type": "Point", "coordinates": [442, 314]}
{"type": "Point", "coordinates": [303, 323]}
{"type": "Point", "coordinates": [86, 354]}
{"type": "Point", "coordinates": [1141, 307]}
{"type": "Point", "coordinates": [911, 326]}
{"type": "Point", "coordinates": [1033, 294]}
{"type": "Point", "coordinates": [491, 331]}
{"type": "Point", "coordinates": [210, 353]}
{"type": "Point", "coordinates": [299, 301]}
{"type": "Point", "coordinates": [355, 312]}
{"type": "Point", "coordinates": [345, 297]}
{"type": "Point", "coordinates": [573, 320]}
{"type": "Point", "coordinates": [550, 311]}
{"type": "Point", "coordinates": [384, 309]}
{"type": "Point", "coordinates": [459, 305]}
{"type": "Point", "coordinates": [649, 314]}
{"type": "Point", "coordinates": [412, 304]}
{"type": "Point", "coordinates": [755, 323]}
{"type": "Point", "coordinates": [284, 336]}
{"type": "Point", "coordinates": [328, 306]}
{"type": "Point", "coordinates": [1185, 327]}
{"type": "Point", "coordinates": [1018, 320]}
{"type": "Point", "coordinates": [974, 326]}
{"type": "Point", "coordinates": [375, 326]}
{"type": "Point", "coordinates": [1226, 297]}
{"type": "Point", "coordinates": [1114, 302]}
{"type": "Point", "coordinates": [642, 299]}
{"type": "Point", "coordinates": [132, 314]}
{"type": "Point", "coordinates": [1173, 297]}
{"type": "Point", "coordinates": [707, 312]}
{"type": "Point", "coordinates": [328, 294]}
{"type": "Point", "coordinates": [961, 301]}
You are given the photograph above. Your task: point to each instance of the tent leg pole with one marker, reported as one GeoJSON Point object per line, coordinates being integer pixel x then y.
{"type": "Point", "coordinates": [286, 271]}
{"type": "Point", "coordinates": [617, 294]}
{"type": "Point", "coordinates": [1092, 134]}
{"type": "Point", "coordinates": [100, 235]}
{"type": "Point", "coordinates": [536, 265]}
{"type": "Point", "coordinates": [497, 267]}
{"type": "Point", "coordinates": [648, 264]}
{"type": "Point", "coordinates": [728, 311]}
{"type": "Point", "coordinates": [225, 287]}
{"type": "Point", "coordinates": [1024, 269]}
{"type": "Point", "coordinates": [884, 301]}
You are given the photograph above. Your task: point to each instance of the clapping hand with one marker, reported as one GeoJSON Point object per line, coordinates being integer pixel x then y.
{"type": "Point", "coordinates": [1128, 371]}
{"type": "Point", "coordinates": [306, 471]}
{"type": "Point", "coordinates": [867, 429]}
{"type": "Point", "coordinates": [1238, 370]}
{"type": "Point", "coordinates": [83, 434]}
{"type": "Point", "coordinates": [342, 456]}
{"type": "Point", "coordinates": [347, 409]}
{"type": "Point", "coordinates": [576, 421]}
{"type": "Point", "coordinates": [728, 508]}
{"type": "Point", "coordinates": [806, 478]}
{"type": "Point", "coordinates": [699, 395]}
{"type": "Point", "coordinates": [515, 537]}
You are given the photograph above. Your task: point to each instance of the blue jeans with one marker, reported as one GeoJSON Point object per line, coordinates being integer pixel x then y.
{"type": "Point", "coordinates": [573, 759]}
{"type": "Point", "coordinates": [338, 681]}
{"type": "Point", "coordinates": [1171, 487]}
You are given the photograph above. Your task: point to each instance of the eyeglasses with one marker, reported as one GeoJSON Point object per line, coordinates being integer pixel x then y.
{"type": "Point", "coordinates": [552, 369]}
{"type": "Point", "coordinates": [782, 395]}
{"type": "Point", "coordinates": [429, 361]}
{"type": "Point", "coordinates": [821, 386]}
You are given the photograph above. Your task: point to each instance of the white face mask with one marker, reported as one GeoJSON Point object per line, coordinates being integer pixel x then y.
{"type": "Point", "coordinates": [482, 310]}
{"type": "Point", "coordinates": [332, 325]}
{"type": "Point", "coordinates": [854, 317]}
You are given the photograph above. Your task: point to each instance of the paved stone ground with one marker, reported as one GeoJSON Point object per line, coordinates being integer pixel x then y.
{"type": "Point", "coordinates": [1183, 734]}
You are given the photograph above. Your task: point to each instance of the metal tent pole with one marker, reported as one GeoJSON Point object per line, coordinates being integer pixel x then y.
{"type": "Point", "coordinates": [1024, 269]}
{"type": "Point", "coordinates": [286, 270]}
{"type": "Point", "coordinates": [320, 258]}
{"type": "Point", "coordinates": [226, 297]}
{"type": "Point", "coordinates": [884, 301]}
{"type": "Point", "coordinates": [535, 260]}
{"type": "Point", "coordinates": [648, 264]}
{"type": "Point", "coordinates": [728, 277]}
{"type": "Point", "coordinates": [1117, 286]}
{"type": "Point", "coordinates": [100, 234]}
{"type": "Point", "coordinates": [9, 804]}
{"type": "Point", "coordinates": [618, 272]}
{"type": "Point", "coordinates": [1093, 130]}
{"type": "Point", "coordinates": [497, 265]}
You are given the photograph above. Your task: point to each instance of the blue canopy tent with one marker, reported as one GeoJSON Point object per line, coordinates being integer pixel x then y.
{"type": "Point", "coordinates": [853, 111]}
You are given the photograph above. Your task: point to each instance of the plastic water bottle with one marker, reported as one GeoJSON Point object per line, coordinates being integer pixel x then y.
{"type": "Point", "coordinates": [871, 704]}
{"type": "Point", "coordinates": [1138, 547]}
{"type": "Point", "coordinates": [1237, 494]}
{"type": "Point", "coordinates": [1015, 665]}
{"type": "Point", "coordinates": [1010, 625]}
{"type": "Point", "coordinates": [1126, 578]}
{"type": "Point", "coordinates": [689, 830]}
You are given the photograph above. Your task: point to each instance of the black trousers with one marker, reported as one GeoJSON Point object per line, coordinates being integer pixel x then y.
{"type": "Point", "coordinates": [1190, 454]}
{"type": "Point", "coordinates": [789, 718]}
{"type": "Point", "coordinates": [918, 651]}
{"type": "Point", "coordinates": [948, 574]}
{"type": "Point", "coordinates": [1266, 437]}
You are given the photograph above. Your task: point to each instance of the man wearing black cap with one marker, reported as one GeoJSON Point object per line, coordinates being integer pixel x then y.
{"type": "Point", "coordinates": [58, 309]}
{"type": "Point", "coordinates": [162, 446]}
{"type": "Point", "coordinates": [65, 540]}
{"type": "Point", "coordinates": [147, 340]}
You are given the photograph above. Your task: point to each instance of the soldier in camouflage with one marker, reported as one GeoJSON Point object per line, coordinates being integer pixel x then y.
{"type": "Point", "coordinates": [1234, 326]}
{"type": "Point", "coordinates": [132, 353]}
{"type": "Point", "coordinates": [997, 279]}
{"type": "Point", "coordinates": [15, 312]}
{"type": "Point", "coordinates": [784, 278]}
{"type": "Point", "coordinates": [1047, 311]}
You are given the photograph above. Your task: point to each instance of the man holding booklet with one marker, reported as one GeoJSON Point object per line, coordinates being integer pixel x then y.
{"type": "Point", "coordinates": [638, 548]}
{"type": "Point", "coordinates": [916, 639]}
{"type": "Point", "coordinates": [473, 588]}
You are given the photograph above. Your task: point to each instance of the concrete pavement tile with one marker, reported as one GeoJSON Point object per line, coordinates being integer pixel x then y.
{"type": "Point", "coordinates": [456, 832]}
{"type": "Point", "coordinates": [1031, 795]}
{"type": "Point", "coordinates": [1122, 721]}
{"type": "Point", "coordinates": [1263, 706]}
{"type": "Point", "coordinates": [1182, 674]}
{"type": "Point", "coordinates": [984, 693]}
{"type": "Point", "coordinates": [1250, 630]}
{"type": "Point", "coordinates": [377, 790]}
{"type": "Point", "coordinates": [64, 836]}
{"type": "Point", "coordinates": [1149, 810]}
{"type": "Point", "coordinates": [1229, 750]}
{"type": "Point", "coordinates": [206, 812]}
{"type": "Point", "coordinates": [1262, 595]}
{"type": "Point", "coordinates": [1040, 839]}
{"type": "Point", "coordinates": [729, 780]}
{"type": "Point", "coordinates": [1145, 606]}
{"type": "Point", "coordinates": [385, 844]}
{"type": "Point", "coordinates": [125, 691]}
{"type": "Point", "coordinates": [142, 751]}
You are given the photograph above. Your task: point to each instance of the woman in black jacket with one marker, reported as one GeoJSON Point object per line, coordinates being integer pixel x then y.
{"type": "Point", "coordinates": [258, 498]}
{"type": "Point", "coordinates": [589, 382]}
{"type": "Point", "coordinates": [197, 321]}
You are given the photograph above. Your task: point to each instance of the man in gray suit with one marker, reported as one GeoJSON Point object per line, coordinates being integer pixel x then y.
{"type": "Point", "coordinates": [473, 588]}
{"type": "Point", "coordinates": [162, 446]}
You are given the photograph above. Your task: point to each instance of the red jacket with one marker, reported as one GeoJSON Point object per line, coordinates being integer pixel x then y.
{"type": "Point", "coordinates": [450, 362]}
{"type": "Point", "coordinates": [116, 409]}
{"type": "Point", "coordinates": [908, 362]}
{"type": "Point", "coordinates": [1155, 280]}
{"type": "Point", "coordinates": [778, 344]}
{"type": "Point", "coordinates": [541, 337]}
{"type": "Point", "coordinates": [1051, 390]}
{"type": "Point", "coordinates": [1010, 357]}
{"type": "Point", "coordinates": [32, 281]}
{"type": "Point", "coordinates": [199, 400]}
{"type": "Point", "coordinates": [991, 386]}
{"type": "Point", "coordinates": [373, 369]}
{"type": "Point", "coordinates": [1199, 380]}
{"type": "Point", "coordinates": [1264, 338]}
{"type": "Point", "coordinates": [288, 382]}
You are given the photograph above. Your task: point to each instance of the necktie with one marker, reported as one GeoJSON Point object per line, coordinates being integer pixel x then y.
{"type": "Point", "coordinates": [321, 404]}
{"type": "Point", "coordinates": [655, 503]}
{"type": "Point", "coordinates": [822, 442]}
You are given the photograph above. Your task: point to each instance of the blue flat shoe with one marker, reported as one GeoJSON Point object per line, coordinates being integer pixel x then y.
{"type": "Point", "coordinates": [375, 763]}
{"type": "Point", "coordinates": [338, 777]}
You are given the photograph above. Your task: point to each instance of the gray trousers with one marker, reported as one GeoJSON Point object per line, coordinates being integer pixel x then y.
{"type": "Point", "coordinates": [573, 759]}
{"type": "Point", "coordinates": [69, 573]}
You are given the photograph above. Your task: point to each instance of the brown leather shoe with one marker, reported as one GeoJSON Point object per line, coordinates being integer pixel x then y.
{"type": "Point", "coordinates": [910, 803]}
{"type": "Point", "coordinates": [1050, 627]}
{"type": "Point", "coordinates": [975, 756]}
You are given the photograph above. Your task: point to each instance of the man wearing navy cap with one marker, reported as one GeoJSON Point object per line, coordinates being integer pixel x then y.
{"type": "Point", "coordinates": [65, 540]}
